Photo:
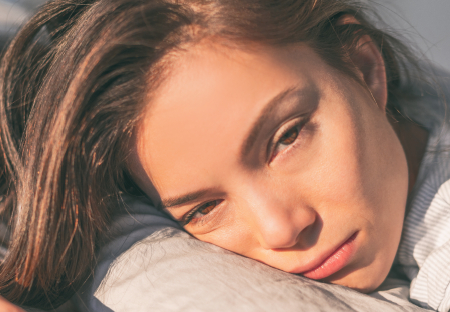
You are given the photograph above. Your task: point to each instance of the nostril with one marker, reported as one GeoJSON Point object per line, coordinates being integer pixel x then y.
{"type": "Point", "coordinates": [280, 240]}
{"type": "Point", "coordinates": [282, 234]}
{"type": "Point", "coordinates": [277, 232]}
{"type": "Point", "coordinates": [299, 231]}
{"type": "Point", "coordinates": [309, 236]}
{"type": "Point", "coordinates": [281, 224]}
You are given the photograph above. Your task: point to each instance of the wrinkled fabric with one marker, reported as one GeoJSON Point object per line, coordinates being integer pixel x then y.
{"type": "Point", "coordinates": [424, 251]}
{"type": "Point", "coordinates": [153, 265]}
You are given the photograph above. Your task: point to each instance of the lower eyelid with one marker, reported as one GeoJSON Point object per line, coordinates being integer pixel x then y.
{"type": "Point", "coordinates": [299, 127]}
{"type": "Point", "coordinates": [305, 130]}
{"type": "Point", "coordinates": [287, 149]}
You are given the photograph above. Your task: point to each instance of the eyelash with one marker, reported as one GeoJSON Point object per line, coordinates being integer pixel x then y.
{"type": "Point", "coordinates": [189, 217]}
{"type": "Point", "coordinates": [297, 126]}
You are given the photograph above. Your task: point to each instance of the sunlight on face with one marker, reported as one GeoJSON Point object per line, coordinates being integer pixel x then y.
{"type": "Point", "coordinates": [275, 155]}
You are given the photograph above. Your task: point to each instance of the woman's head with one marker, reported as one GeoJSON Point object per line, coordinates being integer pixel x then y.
{"type": "Point", "coordinates": [87, 87]}
{"type": "Point", "coordinates": [275, 155]}
{"type": "Point", "coordinates": [279, 149]}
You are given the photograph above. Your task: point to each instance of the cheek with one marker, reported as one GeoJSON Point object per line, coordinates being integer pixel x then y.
{"type": "Point", "coordinates": [362, 184]}
{"type": "Point", "coordinates": [354, 169]}
{"type": "Point", "coordinates": [333, 170]}
{"type": "Point", "coordinates": [235, 232]}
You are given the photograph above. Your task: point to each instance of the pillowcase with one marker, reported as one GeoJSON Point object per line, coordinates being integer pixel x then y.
{"type": "Point", "coordinates": [151, 264]}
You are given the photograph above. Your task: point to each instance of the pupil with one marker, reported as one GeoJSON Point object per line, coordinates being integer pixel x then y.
{"type": "Point", "coordinates": [289, 137]}
{"type": "Point", "coordinates": [208, 208]}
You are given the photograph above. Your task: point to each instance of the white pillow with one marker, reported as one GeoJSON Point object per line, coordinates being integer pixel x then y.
{"type": "Point", "coordinates": [151, 264]}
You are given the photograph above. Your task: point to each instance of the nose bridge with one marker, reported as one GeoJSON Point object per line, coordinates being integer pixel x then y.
{"type": "Point", "coordinates": [278, 218]}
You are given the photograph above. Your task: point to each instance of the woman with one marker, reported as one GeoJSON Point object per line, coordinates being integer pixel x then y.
{"type": "Point", "coordinates": [262, 127]}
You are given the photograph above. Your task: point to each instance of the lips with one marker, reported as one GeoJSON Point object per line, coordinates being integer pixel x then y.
{"type": "Point", "coordinates": [334, 261]}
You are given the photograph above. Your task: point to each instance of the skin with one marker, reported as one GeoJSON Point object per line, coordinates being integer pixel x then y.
{"type": "Point", "coordinates": [289, 200]}
{"type": "Point", "coordinates": [6, 306]}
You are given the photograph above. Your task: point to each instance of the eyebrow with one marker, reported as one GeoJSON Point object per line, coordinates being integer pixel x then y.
{"type": "Point", "coordinates": [265, 114]}
{"type": "Point", "coordinates": [250, 140]}
{"type": "Point", "coordinates": [183, 199]}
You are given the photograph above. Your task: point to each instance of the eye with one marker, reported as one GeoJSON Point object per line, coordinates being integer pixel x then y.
{"type": "Point", "coordinates": [289, 137]}
{"type": "Point", "coordinates": [200, 212]}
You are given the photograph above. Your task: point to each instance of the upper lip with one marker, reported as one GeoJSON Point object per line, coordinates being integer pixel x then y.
{"type": "Point", "coordinates": [317, 262]}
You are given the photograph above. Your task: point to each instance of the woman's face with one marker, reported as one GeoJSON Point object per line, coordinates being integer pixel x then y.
{"type": "Point", "coordinates": [275, 155]}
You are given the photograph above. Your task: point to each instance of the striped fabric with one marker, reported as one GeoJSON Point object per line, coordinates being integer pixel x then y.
{"type": "Point", "coordinates": [424, 252]}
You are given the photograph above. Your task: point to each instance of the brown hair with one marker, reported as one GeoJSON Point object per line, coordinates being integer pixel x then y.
{"type": "Point", "coordinates": [72, 86]}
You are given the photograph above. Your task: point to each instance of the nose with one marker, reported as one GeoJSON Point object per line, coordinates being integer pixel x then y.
{"type": "Point", "coordinates": [281, 223]}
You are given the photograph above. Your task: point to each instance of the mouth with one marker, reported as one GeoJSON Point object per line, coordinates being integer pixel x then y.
{"type": "Point", "coordinates": [333, 262]}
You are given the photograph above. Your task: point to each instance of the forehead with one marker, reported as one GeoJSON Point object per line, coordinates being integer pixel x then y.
{"type": "Point", "coordinates": [197, 120]}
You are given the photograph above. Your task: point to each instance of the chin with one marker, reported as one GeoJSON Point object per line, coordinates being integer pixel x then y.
{"type": "Point", "coordinates": [364, 287]}
{"type": "Point", "coordinates": [359, 281]}
{"type": "Point", "coordinates": [367, 289]}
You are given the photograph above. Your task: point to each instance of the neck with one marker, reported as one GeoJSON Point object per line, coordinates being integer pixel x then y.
{"type": "Point", "coordinates": [414, 140]}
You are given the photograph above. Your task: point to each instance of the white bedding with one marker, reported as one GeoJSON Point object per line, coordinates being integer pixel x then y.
{"type": "Point", "coordinates": [152, 265]}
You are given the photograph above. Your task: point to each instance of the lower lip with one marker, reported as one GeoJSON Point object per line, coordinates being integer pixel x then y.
{"type": "Point", "coordinates": [335, 262]}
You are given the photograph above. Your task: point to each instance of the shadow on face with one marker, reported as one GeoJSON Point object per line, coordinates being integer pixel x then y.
{"type": "Point", "coordinates": [275, 155]}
